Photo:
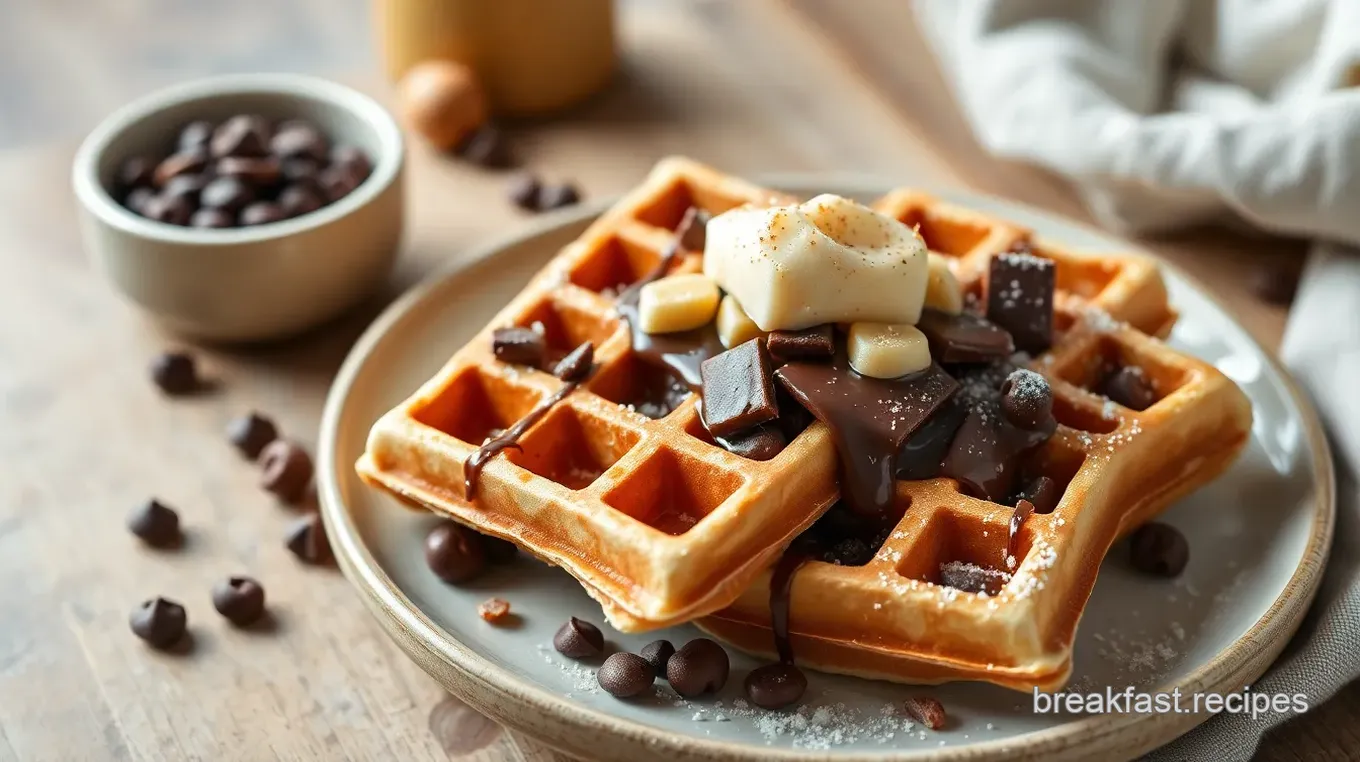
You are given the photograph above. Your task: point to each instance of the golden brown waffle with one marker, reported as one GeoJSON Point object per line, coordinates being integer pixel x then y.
{"type": "Point", "coordinates": [892, 618]}
{"type": "Point", "coordinates": [660, 524]}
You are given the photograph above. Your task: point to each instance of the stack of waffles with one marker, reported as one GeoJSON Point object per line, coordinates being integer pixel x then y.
{"type": "Point", "coordinates": [620, 483]}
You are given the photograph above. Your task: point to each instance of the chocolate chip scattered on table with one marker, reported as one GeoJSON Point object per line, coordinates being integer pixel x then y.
{"type": "Point", "coordinates": [175, 373]}
{"type": "Point", "coordinates": [239, 599]}
{"type": "Point", "coordinates": [307, 540]}
{"type": "Point", "coordinates": [155, 523]}
{"type": "Point", "coordinates": [160, 622]}
{"type": "Point", "coordinates": [250, 433]}
{"type": "Point", "coordinates": [285, 470]}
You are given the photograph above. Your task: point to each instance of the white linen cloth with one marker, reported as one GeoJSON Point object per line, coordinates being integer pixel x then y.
{"type": "Point", "coordinates": [1165, 113]}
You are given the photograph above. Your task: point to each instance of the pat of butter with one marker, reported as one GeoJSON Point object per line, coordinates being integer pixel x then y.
{"type": "Point", "coordinates": [886, 351]}
{"type": "Point", "coordinates": [677, 303]}
{"type": "Point", "coordinates": [829, 260]}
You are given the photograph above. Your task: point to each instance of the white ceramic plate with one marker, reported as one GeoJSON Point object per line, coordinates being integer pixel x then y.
{"type": "Point", "coordinates": [1258, 539]}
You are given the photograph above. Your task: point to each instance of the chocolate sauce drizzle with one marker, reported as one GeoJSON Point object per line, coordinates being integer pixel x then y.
{"type": "Point", "coordinates": [508, 439]}
{"type": "Point", "coordinates": [781, 591]}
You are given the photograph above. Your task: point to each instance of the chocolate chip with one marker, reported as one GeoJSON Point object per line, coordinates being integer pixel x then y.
{"type": "Point", "coordinates": [353, 160]}
{"type": "Point", "coordinates": [579, 639]}
{"type": "Point", "coordinates": [239, 599]}
{"type": "Point", "coordinates": [285, 470]}
{"type": "Point", "coordinates": [261, 213]}
{"type": "Point", "coordinates": [1027, 400]}
{"type": "Point", "coordinates": [1042, 493]}
{"type": "Point", "coordinates": [134, 172]}
{"type": "Point", "coordinates": [226, 193]}
{"type": "Point", "coordinates": [694, 234]}
{"type": "Point", "coordinates": [257, 172]}
{"type": "Point", "coordinates": [498, 551]}
{"type": "Point", "coordinates": [658, 653]}
{"type": "Point", "coordinates": [172, 210]}
{"type": "Point", "coordinates": [187, 187]}
{"type": "Point", "coordinates": [138, 199]}
{"type": "Point", "coordinates": [738, 389]}
{"type": "Point", "coordinates": [697, 668]}
{"type": "Point", "coordinates": [576, 365]}
{"type": "Point", "coordinates": [927, 711]}
{"type": "Point", "coordinates": [815, 344]}
{"type": "Point", "coordinates": [971, 578]}
{"type": "Point", "coordinates": [487, 147]}
{"type": "Point", "coordinates": [299, 199]}
{"type": "Point", "coordinates": [1276, 282]}
{"type": "Point", "coordinates": [1129, 386]}
{"type": "Point", "coordinates": [182, 163]}
{"type": "Point", "coordinates": [250, 433]}
{"type": "Point", "coordinates": [775, 686]}
{"type": "Point", "coordinates": [294, 170]}
{"type": "Point", "coordinates": [1159, 549]}
{"type": "Point", "coordinates": [307, 540]}
{"type": "Point", "coordinates": [155, 523]}
{"type": "Point", "coordinates": [761, 442]}
{"type": "Point", "coordinates": [337, 182]}
{"type": "Point", "coordinates": [1020, 298]}
{"type": "Point", "coordinates": [519, 346]}
{"type": "Point", "coordinates": [212, 218]}
{"type": "Point", "coordinates": [624, 675]}
{"type": "Point", "coordinates": [296, 139]}
{"type": "Point", "coordinates": [964, 338]}
{"type": "Point", "coordinates": [523, 190]}
{"type": "Point", "coordinates": [557, 196]}
{"type": "Point", "coordinates": [160, 622]}
{"type": "Point", "coordinates": [493, 610]}
{"type": "Point", "coordinates": [194, 136]}
{"type": "Point", "coordinates": [175, 373]}
{"type": "Point", "coordinates": [242, 135]}
{"type": "Point", "coordinates": [454, 552]}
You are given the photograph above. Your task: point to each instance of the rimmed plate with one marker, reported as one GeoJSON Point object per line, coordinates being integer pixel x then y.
{"type": "Point", "coordinates": [1259, 537]}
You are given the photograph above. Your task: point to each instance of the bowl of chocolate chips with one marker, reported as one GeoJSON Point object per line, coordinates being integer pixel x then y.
{"type": "Point", "coordinates": [244, 208]}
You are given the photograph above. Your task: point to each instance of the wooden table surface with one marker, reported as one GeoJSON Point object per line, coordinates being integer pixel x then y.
{"type": "Point", "coordinates": [755, 86]}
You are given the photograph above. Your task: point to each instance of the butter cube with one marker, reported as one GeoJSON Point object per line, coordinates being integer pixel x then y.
{"type": "Point", "coordinates": [943, 291]}
{"type": "Point", "coordinates": [884, 350]}
{"type": "Point", "coordinates": [734, 326]}
{"type": "Point", "coordinates": [677, 303]}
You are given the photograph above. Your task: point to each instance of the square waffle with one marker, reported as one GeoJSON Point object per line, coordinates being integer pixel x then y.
{"type": "Point", "coordinates": [658, 522]}
{"type": "Point", "coordinates": [893, 617]}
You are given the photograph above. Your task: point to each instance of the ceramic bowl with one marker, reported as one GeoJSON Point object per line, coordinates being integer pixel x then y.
{"type": "Point", "coordinates": [254, 283]}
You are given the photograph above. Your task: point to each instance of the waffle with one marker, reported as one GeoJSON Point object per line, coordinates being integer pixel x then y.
{"type": "Point", "coordinates": [892, 618]}
{"type": "Point", "coordinates": [658, 523]}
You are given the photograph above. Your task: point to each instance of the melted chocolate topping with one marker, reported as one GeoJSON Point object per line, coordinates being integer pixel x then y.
{"type": "Point", "coordinates": [781, 590]}
{"type": "Point", "coordinates": [985, 454]}
{"type": "Point", "coordinates": [472, 467]}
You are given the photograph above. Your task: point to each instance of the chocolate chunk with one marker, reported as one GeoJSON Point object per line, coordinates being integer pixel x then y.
{"type": "Point", "coordinates": [624, 675]}
{"type": "Point", "coordinates": [155, 523]}
{"type": "Point", "coordinates": [242, 135]}
{"type": "Point", "coordinates": [296, 139]}
{"type": "Point", "coordinates": [212, 218]}
{"type": "Point", "coordinates": [699, 667]}
{"type": "Point", "coordinates": [487, 147]}
{"type": "Point", "coordinates": [971, 578]}
{"type": "Point", "coordinates": [738, 389]}
{"type": "Point", "coordinates": [816, 343]}
{"type": "Point", "coordinates": [775, 686]}
{"type": "Point", "coordinates": [239, 599]}
{"type": "Point", "coordinates": [523, 190]}
{"type": "Point", "coordinates": [186, 186]}
{"type": "Point", "coordinates": [922, 453]}
{"type": "Point", "coordinates": [694, 230]}
{"type": "Point", "coordinates": [228, 194]}
{"type": "Point", "coordinates": [307, 540]}
{"type": "Point", "coordinates": [337, 182]}
{"type": "Point", "coordinates": [1027, 400]}
{"type": "Point", "coordinates": [194, 136]}
{"type": "Point", "coordinates": [285, 470]}
{"type": "Point", "coordinates": [658, 653]}
{"type": "Point", "coordinates": [870, 421]}
{"type": "Point", "coordinates": [138, 199]}
{"type": "Point", "coordinates": [579, 639]}
{"type": "Point", "coordinates": [175, 373]}
{"type": "Point", "coordinates": [498, 551]}
{"type": "Point", "coordinates": [1020, 298]}
{"type": "Point", "coordinates": [1276, 282]}
{"type": "Point", "coordinates": [1159, 549]}
{"type": "Point", "coordinates": [261, 213]}
{"type": "Point", "coordinates": [557, 196]}
{"type": "Point", "coordinates": [172, 210]}
{"type": "Point", "coordinates": [250, 433]}
{"type": "Point", "coordinates": [255, 172]}
{"type": "Point", "coordinates": [987, 449]}
{"type": "Point", "coordinates": [134, 172]}
{"type": "Point", "coordinates": [757, 443]}
{"type": "Point", "coordinates": [183, 163]}
{"type": "Point", "coordinates": [493, 610]}
{"type": "Point", "coordinates": [454, 552]}
{"type": "Point", "coordinates": [576, 365]}
{"type": "Point", "coordinates": [353, 160]}
{"type": "Point", "coordinates": [1129, 386]}
{"type": "Point", "coordinates": [295, 170]}
{"type": "Point", "coordinates": [1043, 493]}
{"type": "Point", "coordinates": [1023, 510]}
{"type": "Point", "coordinates": [160, 622]}
{"type": "Point", "coordinates": [519, 346]}
{"type": "Point", "coordinates": [927, 711]}
{"type": "Point", "coordinates": [964, 338]}
{"type": "Point", "coordinates": [299, 199]}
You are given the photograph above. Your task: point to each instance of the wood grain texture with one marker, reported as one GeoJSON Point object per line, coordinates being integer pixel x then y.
{"type": "Point", "coordinates": [756, 86]}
